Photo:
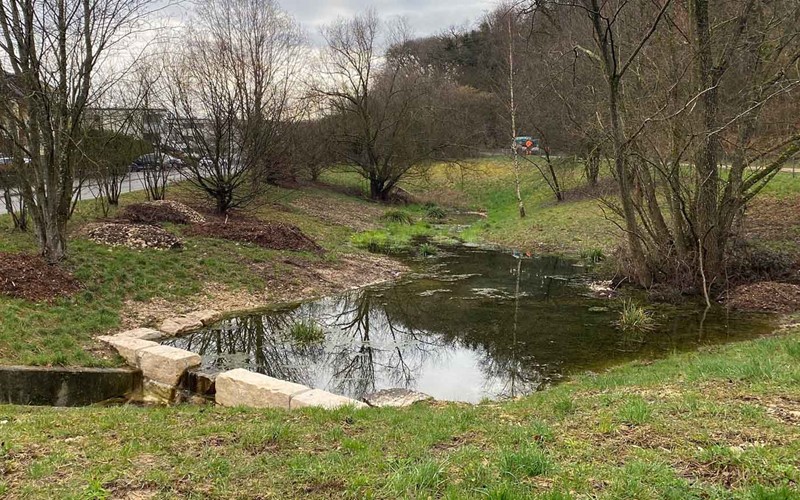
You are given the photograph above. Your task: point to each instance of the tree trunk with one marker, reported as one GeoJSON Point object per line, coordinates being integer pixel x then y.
{"type": "Point", "coordinates": [592, 166]}
{"type": "Point", "coordinates": [51, 236]}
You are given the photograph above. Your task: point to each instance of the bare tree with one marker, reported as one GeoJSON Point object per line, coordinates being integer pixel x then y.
{"type": "Point", "coordinates": [393, 116]}
{"type": "Point", "coordinates": [51, 51]}
{"type": "Point", "coordinates": [513, 111]}
{"type": "Point", "coordinates": [688, 87]}
{"type": "Point", "coordinates": [231, 96]}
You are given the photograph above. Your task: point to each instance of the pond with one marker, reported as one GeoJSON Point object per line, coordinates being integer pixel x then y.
{"type": "Point", "coordinates": [468, 325]}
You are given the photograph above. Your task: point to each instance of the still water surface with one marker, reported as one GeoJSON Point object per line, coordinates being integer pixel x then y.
{"type": "Point", "coordinates": [470, 324]}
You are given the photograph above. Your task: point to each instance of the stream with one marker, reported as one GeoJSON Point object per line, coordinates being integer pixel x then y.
{"type": "Point", "coordinates": [469, 324]}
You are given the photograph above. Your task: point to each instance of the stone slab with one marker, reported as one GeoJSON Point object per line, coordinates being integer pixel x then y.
{"type": "Point", "coordinates": [322, 399]}
{"type": "Point", "coordinates": [154, 392]}
{"type": "Point", "coordinates": [127, 347]}
{"type": "Point", "coordinates": [180, 325]}
{"type": "Point", "coordinates": [206, 316]}
{"type": "Point", "coordinates": [242, 387]}
{"type": "Point", "coordinates": [142, 333]}
{"type": "Point", "coordinates": [166, 364]}
{"type": "Point", "coordinates": [396, 397]}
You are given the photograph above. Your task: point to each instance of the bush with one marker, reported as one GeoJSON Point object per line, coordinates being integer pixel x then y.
{"type": "Point", "coordinates": [750, 261]}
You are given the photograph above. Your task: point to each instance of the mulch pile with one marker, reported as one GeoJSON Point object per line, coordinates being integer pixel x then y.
{"type": "Point", "coordinates": [135, 236]}
{"type": "Point", "coordinates": [273, 235]}
{"type": "Point", "coordinates": [155, 212]}
{"type": "Point", "coordinates": [30, 277]}
{"type": "Point", "coordinates": [766, 296]}
{"type": "Point", "coordinates": [773, 219]}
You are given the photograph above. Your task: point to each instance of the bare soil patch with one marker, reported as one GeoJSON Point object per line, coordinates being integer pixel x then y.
{"type": "Point", "coordinates": [30, 277]}
{"type": "Point", "coordinates": [287, 281]}
{"type": "Point", "coordinates": [766, 296]}
{"type": "Point", "coordinates": [136, 236]}
{"type": "Point", "coordinates": [273, 235]}
{"type": "Point", "coordinates": [154, 212]}
{"type": "Point", "coordinates": [352, 214]}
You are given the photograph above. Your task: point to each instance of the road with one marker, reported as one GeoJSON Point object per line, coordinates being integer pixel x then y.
{"type": "Point", "coordinates": [134, 182]}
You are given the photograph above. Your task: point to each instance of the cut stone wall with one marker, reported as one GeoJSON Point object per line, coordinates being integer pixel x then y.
{"type": "Point", "coordinates": [242, 387]}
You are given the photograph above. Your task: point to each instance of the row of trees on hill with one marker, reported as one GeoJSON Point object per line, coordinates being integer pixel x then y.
{"type": "Point", "coordinates": [692, 103]}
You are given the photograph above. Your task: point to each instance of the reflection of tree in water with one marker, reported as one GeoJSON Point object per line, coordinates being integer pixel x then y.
{"type": "Point", "coordinates": [371, 345]}
{"type": "Point", "coordinates": [505, 363]}
{"type": "Point", "coordinates": [260, 343]}
{"type": "Point", "coordinates": [504, 357]}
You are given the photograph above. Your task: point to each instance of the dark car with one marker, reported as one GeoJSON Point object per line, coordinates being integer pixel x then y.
{"type": "Point", "coordinates": [149, 161]}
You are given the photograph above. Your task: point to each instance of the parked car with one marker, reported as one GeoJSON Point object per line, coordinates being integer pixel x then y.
{"type": "Point", "coordinates": [147, 161]}
{"type": "Point", "coordinates": [173, 162]}
{"type": "Point", "coordinates": [8, 160]}
{"type": "Point", "coordinates": [527, 145]}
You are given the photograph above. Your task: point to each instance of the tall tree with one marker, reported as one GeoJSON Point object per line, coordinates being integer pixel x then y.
{"type": "Point", "coordinates": [231, 93]}
{"type": "Point", "coordinates": [51, 51]}
{"type": "Point", "coordinates": [395, 116]}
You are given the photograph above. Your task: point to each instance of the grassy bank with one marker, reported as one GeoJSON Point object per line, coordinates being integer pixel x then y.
{"type": "Point", "coordinates": [721, 423]}
{"type": "Point", "coordinates": [116, 280]}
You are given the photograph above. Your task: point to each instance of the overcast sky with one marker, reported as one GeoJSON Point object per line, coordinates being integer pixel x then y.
{"type": "Point", "coordinates": [426, 17]}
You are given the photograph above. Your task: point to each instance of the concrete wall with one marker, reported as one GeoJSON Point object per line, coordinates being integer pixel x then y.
{"type": "Point", "coordinates": [30, 385]}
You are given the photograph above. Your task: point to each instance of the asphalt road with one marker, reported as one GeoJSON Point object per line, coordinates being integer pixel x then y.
{"type": "Point", "coordinates": [134, 182]}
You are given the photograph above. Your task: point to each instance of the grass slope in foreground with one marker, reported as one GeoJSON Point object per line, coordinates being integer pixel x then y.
{"type": "Point", "coordinates": [721, 423]}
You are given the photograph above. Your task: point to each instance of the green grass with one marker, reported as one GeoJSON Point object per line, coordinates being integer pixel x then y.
{"type": "Point", "coordinates": [307, 332]}
{"type": "Point", "coordinates": [694, 425]}
{"type": "Point", "coordinates": [487, 185]}
{"type": "Point", "coordinates": [61, 333]}
{"type": "Point", "coordinates": [715, 424]}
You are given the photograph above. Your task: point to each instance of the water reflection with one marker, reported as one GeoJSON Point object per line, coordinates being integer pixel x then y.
{"type": "Point", "coordinates": [469, 326]}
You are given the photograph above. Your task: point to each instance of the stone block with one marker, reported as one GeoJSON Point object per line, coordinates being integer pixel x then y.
{"type": "Point", "coordinates": [206, 316]}
{"type": "Point", "coordinates": [396, 397]}
{"type": "Point", "coordinates": [127, 347]}
{"type": "Point", "coordinates": [242, 387]}
{"type": "Point", "coordinates": [323, 399]}
{"type": "Point", "coordinates": [166, 364]}
{"type": "Point", "coordinates": [154, 392]}
{"type": "Point", "coordinates": [142, 333]}
{"type": "Point", "coordinates": [180, 325]}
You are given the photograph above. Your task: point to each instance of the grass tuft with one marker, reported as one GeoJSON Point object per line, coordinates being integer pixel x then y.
{"type": "Point", "coordinates": [635, 411]}
{"type": "Point", "coordinates": [307, 332]}
{"type": "Point", "coordinates": [635, 319]}
{"type": "Point", "coordinates": [435, 212]}
{"type": "Point", "coordinates": [422, 479]}
{"type": "Point", "coordinates": [397, 217]}
{"type": "Point", "coordinates": [527, 461]}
